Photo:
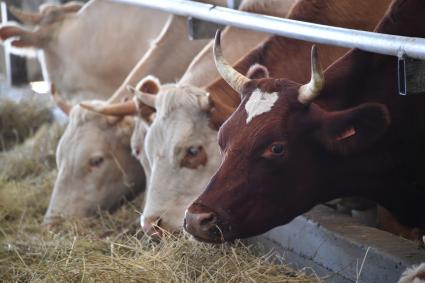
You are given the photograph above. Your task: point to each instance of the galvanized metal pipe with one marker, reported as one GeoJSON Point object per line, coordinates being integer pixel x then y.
{"type": "Point", "coordinates": [399, 46]}
{"type": "Point", "coordinates": [7, 45]}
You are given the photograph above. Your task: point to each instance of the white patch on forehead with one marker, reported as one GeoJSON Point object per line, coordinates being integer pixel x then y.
{"type": "Point", "coordinates": [259, 103]}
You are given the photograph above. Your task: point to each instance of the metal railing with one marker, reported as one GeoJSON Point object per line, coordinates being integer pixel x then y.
{"type": "Point", "coordinates": [399, 46]}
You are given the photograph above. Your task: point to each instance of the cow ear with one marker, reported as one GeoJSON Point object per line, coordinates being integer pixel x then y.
{"type": "Point", "coordinates": [149, 84]}
{"type": "Point", "coordinates": [258, 71]}
{"type": "Point", "coordinates": [349, 131]}
{"type": "Point", "coordinates": [145, 96]}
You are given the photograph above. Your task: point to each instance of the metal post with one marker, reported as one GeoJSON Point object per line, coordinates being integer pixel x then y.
{"type": "Point", "coordinates": [6, 45]}
{"type": "Point", "coordinates": [367, 41]}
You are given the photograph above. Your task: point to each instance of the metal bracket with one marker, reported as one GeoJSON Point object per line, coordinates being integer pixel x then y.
{"type": "Point", "coordinates": [199, 29]}
{"type": "Point", "coordinates": [411, 76]}
{"type": "Point", "coordinates": [234, 4]}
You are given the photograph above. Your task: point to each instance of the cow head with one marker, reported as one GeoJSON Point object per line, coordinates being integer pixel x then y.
{"type": "Point", "coordinates": [180, 149]}
{"type": "Point", "coordinates": [95, 167]}
{"type": "Point", "coordinates": [281, 153]}
{"type": "Point", "coordinates": [45, 22]}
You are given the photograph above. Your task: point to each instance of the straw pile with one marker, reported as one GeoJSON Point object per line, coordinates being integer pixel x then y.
{"type": "Point", "coordinates": [21, 120]}
{"type": "Point", "coordinates": [100, 249]}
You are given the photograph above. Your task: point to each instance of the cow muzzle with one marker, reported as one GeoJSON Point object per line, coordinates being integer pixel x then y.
{"type": "Point", "coordinates": [205, 225]}
{"type": "Point", "coordinates": [151, 227]}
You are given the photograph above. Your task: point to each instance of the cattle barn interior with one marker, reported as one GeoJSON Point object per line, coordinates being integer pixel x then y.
{"type": "Point", "coordinates": [96, 186]}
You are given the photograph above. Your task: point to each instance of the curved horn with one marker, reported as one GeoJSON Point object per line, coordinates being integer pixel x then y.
{"type": "Point", "coordinates": [235, 79]}
{"type": "Point", "coordinates": [25, 16]}
{"type": "Point", "coordinates": [146, 98]}
{"type": "Point", "coordinates": [65, 107]}
{"type": "Point", "coordinates": [308, 92]}
{"type": "Point", "coordinates": [117, 109]}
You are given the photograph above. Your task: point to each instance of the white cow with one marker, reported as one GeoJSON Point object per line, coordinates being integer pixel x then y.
{"type": "Point", "coordinates": [86, 51]}
{"type": "Point", "coordinates": [95, 168]}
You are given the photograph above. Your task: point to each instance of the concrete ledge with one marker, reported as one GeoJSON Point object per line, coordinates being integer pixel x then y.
{"type": "Point", "coordinates": [335, 245]}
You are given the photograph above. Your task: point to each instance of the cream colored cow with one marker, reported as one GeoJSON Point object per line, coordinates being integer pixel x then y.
{"type": "Point", "coordinates": [85, 50]}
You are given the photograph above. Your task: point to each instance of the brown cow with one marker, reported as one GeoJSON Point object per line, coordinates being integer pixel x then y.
{"type": "Point", "coordinates": [289, 147]}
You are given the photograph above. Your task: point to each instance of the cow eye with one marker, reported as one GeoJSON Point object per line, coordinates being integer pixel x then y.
{"type": "Point", "coordinates": [195, 157]}
{"type": "Point", "coordinates": [96, 161]}
{"type": "Point", "coordinates": [275, 150]}
{"type": "Point", "coordinates": [194, 150]}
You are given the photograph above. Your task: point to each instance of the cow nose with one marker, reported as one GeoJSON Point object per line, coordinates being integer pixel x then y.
{"type": "Point", "coordinates": [204, 221]}
{"type": "Point", "coordinates": [151, 226]}
{"type": "Point", "coordinates": [202, 225]}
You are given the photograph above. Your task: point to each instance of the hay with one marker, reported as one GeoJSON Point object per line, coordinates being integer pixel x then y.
{"type": "Point", "coordinates": [99, 249]}
{"type": "Point", "coordinates": [78, 253]}
{"type": "Point", "coordinates": [34, 157]}
{"type": "Point", "coordinates": [19, 120]}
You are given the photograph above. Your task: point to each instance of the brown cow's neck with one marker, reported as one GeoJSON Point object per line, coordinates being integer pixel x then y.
{"type": "Point", "coordinates": [282, 56]}
{"type": "Point", "coordinates": [381, 182]}
{"type": "Point", "coordinates": [361, 76]}
{"type": "Point", "coordinates": [395, 181]}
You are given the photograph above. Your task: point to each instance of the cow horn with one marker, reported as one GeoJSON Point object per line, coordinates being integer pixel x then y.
{"type": "Point", "coordinates": [146, 98]}
{"type": "Point", "coordinates": [308, 92]}
{"type": "Point", "coordinates": [117, 109]}
{"type": "Point", "coordinates": [65, 107]}
{"type": "Point", "coordinates": [25, 16]}
{"type": "Point", "coordinates": [235, 79]}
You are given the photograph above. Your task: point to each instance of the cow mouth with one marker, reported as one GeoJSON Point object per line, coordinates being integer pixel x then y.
{"type": "Point", "coordinates": [218, 235]}
{"type": "Point", "coordinates": [209, 240]}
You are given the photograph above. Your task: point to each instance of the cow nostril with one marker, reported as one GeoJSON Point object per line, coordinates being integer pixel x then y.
{"type": "Point", "coordinates": [207, 219]}
{"type": "Point", "coordinates": [152, 227]}
{"type": "Point", "coordinates": [157, 224]}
